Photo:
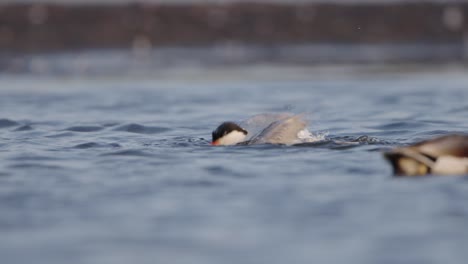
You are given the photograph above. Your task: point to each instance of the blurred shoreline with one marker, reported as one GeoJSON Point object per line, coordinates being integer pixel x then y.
{"type": "Point", "coordinates": [425, 31]}
{"type": "Point", "coordinates": [113, 2]}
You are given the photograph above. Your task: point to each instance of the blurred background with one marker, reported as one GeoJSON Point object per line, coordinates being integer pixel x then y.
{"type": "Point", "coordinates": [107, 108]}
{"type": "Point", "coordinates": [152, 33]}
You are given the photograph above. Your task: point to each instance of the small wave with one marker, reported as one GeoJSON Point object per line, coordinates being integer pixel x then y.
{"type": "Point", "coordinates": [95, 145]}
{"type": "Point", "coordinates": [34, 157]}
{"type": "Point", "coordinates": [179, 142]}
{"type": "Point", "coordinates": [433, 133]}
{"type": "Point", "coordinates": [362, 140]}
{"type": "Point", "coordinates": [130, 152]}
{"type": "Point", "coordinates": [192, 142]}
{"type": "Point", "coordinates": [84, 128]}
{"type": "Point", "coordinates": [187, 142]}
{"type": "Point", "coordinates": [223, 171]}
{"type": "Point", "coordinates": [345, 142]}
{"type": "Point", "coordinates": [459, 110]}
{"type": "Point", "coordinates": [86, 145]}
{"type": "Point", "coordinates": [60, 135]}
{"type": "Point", "coordinates": [399, 125]}
{"type": "Point", "coordinates": [329, 144]}
{"type": "Point", "coordinates": [109, 124]}
{"type": "Point", "coordinates": [193, 183]}
{"type": "Point", "coordinates": [35, 166]}
{"type": "Point", "coordinates": [7, 123]}
{"type": "Point", "coordinates": [24, 128]}
{"type": "Point", "coordinates": [140, 129]}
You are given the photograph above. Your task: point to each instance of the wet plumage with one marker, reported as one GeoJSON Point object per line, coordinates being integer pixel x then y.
{"type": "Point", "coordinates": [281, 128]}
{"type": "Point", "coordinates": [446, 155]}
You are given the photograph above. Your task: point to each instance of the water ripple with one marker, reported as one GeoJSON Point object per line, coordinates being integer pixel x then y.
{"type": "Point", "coordinates": [24, 128]}
{"type": "Point", "coordinates": [187, 142]}
{"type": "Point", "coordinates": [224, 171]}
{"type": "Point", "coordinates": [140, 129]}
{"type": "Point", "coordinates": [35, 166]}
{"type": "Point", "coordinates": [84, 128]}
{"type": "Point", "coordinates": [399, 125]}
{"type": "Point", "coordinates": [88, 145]}
{"type": "Point", "coordinates": [60, 135]}
{"type": "Point", "coordinates": [135, 180]}
{"type": "Point", "coordinates": [129, 152]}
{"type": "Point", "coordinates": [193, 183]}
{"type": "Point", "coordinates": [33, 157]}
{"type": "Point", "coordinates": [7, 123]}
{"type": "Point", "coordinates": [346, 142]}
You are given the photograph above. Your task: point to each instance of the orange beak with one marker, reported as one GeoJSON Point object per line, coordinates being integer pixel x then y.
{"type": "Point", "coordinates": [215, 143]}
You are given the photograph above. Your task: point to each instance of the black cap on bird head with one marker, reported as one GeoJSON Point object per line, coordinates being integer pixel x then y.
{"type": "Point", "coordinates": [225, 130]}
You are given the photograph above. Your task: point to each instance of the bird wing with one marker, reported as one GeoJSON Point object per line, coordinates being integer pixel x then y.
{"type": "Point", "coordinates": [283, 131]}
{"type": "Point", "coordinates": [453, 145]}
{"type": "Point", "coordinates": [257, 123]}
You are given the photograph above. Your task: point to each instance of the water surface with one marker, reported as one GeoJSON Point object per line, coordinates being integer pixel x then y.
{"type": "Point", "coordinates": [118, 168]}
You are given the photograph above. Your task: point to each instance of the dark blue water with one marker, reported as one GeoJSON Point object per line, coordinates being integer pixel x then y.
{"type": "Point", "coordinates": [117, 168]}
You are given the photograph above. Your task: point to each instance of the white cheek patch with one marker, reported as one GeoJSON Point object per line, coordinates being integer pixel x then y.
{"type": "Point", "coordinates": [450, 165]}
{"type": "Point", "coordinates": [232, 138]}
